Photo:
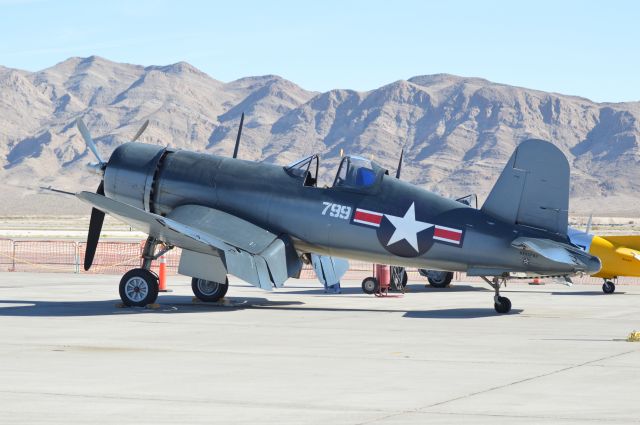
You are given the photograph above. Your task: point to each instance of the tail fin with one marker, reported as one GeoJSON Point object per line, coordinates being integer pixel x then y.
{"type": "Point", "coordinates": [533, 189]}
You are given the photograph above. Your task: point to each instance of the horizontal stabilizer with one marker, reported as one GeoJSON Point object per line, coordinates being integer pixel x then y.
{"type": "Point", "coordinates": [560, 253]}
{"type": "Point", "coordinates": [533, 189]}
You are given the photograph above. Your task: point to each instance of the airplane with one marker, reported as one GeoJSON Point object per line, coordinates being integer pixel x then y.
{"type": "Point", "coordinates": [260, 222]}
{"type": "Point", "coordinates": [620, 254]}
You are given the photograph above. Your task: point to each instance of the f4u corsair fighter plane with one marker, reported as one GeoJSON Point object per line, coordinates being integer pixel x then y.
{"type": "Point", "coordinates": [260, 222]}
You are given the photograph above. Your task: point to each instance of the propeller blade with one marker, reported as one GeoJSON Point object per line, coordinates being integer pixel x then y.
{"type": "Point", "coordinates": [588, 230]}
{"type": "Point", "coordinates": [95, 227]}
{"type": "Point", "coordinates": [235, 150]}
{"type": "Point", "coordinates": [400, 164]}
{"type": "Point", "coordinates": [87, 139]}
{"type": "Point", "coordinates": [142, 129]}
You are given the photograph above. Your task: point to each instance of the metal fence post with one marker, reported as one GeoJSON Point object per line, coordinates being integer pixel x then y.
{"type": "Point", "coordinates": [77, 257]}
{"type": "Point", "coordinates": [13, 255]}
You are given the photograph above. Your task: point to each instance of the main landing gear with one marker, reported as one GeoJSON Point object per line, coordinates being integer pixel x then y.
{"type": "Point", "coordinates": [608, 287]}
{"type": "Point", "coordinates": [439, 279]}
{"type": "Point", "coordinates": [209, 291]}
{"type": "Point", "coordinates": [501, 304]}
{"type": "Point", "coordinates": [139, 287]}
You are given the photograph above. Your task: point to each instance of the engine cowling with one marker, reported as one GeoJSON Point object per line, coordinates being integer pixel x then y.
{"type": "Point", "coordinates": [131, 172]}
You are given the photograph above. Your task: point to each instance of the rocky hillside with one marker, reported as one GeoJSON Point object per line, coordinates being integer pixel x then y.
{"type": "Point", "coordinates": [457, 132]}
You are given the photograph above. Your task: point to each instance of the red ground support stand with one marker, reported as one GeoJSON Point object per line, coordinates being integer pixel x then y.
{"type": "Point", "coordinates": [379, 283]}
{"type": "Point", "coordinates": [382, 273]}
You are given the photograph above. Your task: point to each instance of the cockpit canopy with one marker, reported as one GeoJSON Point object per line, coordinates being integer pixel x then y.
{"type": "Point", "coordinates": [354, 172]}
{"type": "Point", "coordinates": [305, 168]}
{"type": "Point", "coordinates": [358, 172]}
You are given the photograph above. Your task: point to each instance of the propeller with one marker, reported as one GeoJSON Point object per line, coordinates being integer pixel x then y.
{"type": "Point", "coordinates": [95, 227]}
{"type": "Point", "coordinates": [140, 131]}
{"type": "Point", "coordinates": [399, 164]}
{"type": "Point", "coordinates": [588, 229]}
{"type": "Point", "coordinates": [89, 140]}
{"type": "Point", "coordinates": [235, 149]}
{"type": "Point", "coordinates": [97, 216]}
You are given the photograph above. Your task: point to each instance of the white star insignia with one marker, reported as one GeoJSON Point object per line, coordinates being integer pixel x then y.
{"type": "Point", "coordinates": [407, 227]}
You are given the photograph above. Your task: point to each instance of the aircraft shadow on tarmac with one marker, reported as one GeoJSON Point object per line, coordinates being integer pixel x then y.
{"type": "Point", "coordinates": [167, 305]}
{"type": "Point", "coordinates": [183, 304]}
{"type": "Point", "coordinates": [567, 292]}
{"type": "Point", "coordinates": [410, 289]}
{"type": "Point", "coordinates": [598, 293]}
{"type": "Point", "coordinates": [457, 313]}
{"type": "Point", "coordinates": [451, 288]}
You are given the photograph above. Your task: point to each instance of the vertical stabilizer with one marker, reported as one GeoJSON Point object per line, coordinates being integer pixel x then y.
{"type": "Point", "coordinates": [533, 189]}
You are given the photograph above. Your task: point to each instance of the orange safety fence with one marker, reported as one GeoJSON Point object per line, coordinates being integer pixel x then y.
{"type": "Point", "coordinates": [111, 257]}
{"type": "Point", "coordinates": [43, 256]}
{"type": "Point", "coordinates": [118, 257]}
{"type": "Point", "coordinates": [6, 254]}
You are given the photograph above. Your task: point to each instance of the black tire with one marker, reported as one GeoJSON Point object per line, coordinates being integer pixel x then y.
{"type": "Point", "coordinates": [138, 288]}
{"type": "Point", "coordinates": [209, 291]}
{"type": "Point", "coordinates": [439, 279]}
{"type": "Point", "coordinates": [608, 287]}
{"type": "Point", "coordinates": [370, 285]}
{"type": "Point", "coordinates": [398, 278]}
{"type": "Point", "coordinates": [503, 305]}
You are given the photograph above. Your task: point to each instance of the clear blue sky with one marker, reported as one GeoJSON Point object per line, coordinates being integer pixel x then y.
{"type": "Point", "coordinates": [584, 48]}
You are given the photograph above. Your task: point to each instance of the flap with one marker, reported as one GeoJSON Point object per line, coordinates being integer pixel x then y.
{"type": "Point", "coordinates": [226, 227]}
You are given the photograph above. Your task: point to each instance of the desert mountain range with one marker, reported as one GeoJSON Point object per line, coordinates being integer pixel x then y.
{"type": "Point", "coordinates": [457, 132]}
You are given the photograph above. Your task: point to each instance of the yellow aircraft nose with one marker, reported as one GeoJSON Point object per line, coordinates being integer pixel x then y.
{"type": "Point", "coordinates": [616, 260]}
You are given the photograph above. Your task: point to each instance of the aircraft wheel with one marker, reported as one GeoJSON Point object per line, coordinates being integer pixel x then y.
{"type": "Point", "coordinates": [139, 287]}
{"type": "Point", "coordinates": [209, 291]}
{"type": "Point", "coordinates": [398, 278]}
{"type": "Point", "coordinates": [503, 305]}
{"type": "Point", "coordinates": [439, 279]}
{"type": "Point", "coordinates": [608, 287]}
{"type": "Point", "coordinates": [369, 285]}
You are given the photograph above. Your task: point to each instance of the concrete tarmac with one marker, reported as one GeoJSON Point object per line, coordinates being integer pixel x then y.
{"type": "Point", "coordinates": [69, 355]}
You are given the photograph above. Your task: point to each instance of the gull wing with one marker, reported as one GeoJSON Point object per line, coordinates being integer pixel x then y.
{"type": "Point", "coordinates": [249, 252]}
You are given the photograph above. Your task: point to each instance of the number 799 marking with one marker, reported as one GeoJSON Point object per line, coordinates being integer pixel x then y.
{"type": "Point", "coordinates": [336, 210]}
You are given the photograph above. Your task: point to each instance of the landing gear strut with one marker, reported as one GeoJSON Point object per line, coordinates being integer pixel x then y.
{"type": "Point", "coordinates": [501, 304]}
{"type": "Point", "coordinates": [139, 287]}
{"type": "Point", "coordinates": [608, 287]}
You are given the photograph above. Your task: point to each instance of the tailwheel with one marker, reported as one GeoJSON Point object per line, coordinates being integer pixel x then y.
{"type": "Point", "coordinates": [138, 288]}
{"type": "Point", "coordinates": [608, 287]}
{"type": "Point", "coordinates": [502, 304]}
{"type": "Point", "coordinates": [209, 291]}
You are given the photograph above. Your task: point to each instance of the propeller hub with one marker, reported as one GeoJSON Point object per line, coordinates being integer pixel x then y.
{"type": "Point", "coordinates": [97, 167]}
